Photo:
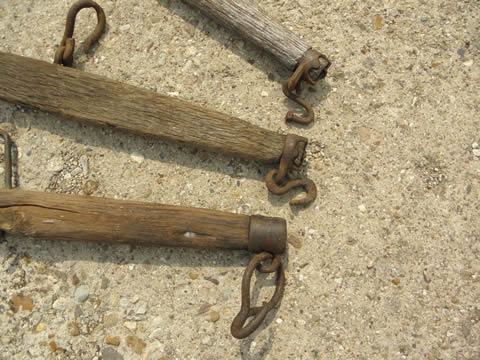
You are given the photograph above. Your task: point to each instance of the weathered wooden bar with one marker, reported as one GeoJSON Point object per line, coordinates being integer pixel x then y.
{"type": "Point", "coordinates": [91, 98]}
{"type": "Point", "coordinates": [83, 218]}
{"type": "Point", "coordinates": [250, 22]}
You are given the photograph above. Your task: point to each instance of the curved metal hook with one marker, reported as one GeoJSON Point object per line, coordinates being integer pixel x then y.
{"type": "Point", "coordinates": [312, 68]}
{"type": "Point", "coordinates": [292, 157]}
{"type": "Point", "coordinates": [289, 184]}
{"type": "Point", "coordinates": [238, 328]}
{"type": "Point", "coordinates": [64, 54]}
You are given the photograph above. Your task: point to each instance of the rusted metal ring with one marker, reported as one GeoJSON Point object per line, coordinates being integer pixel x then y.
{"type": "Point", "coordinates": [64, 53]}
{"type": "Point", "coordinates": [238, 329]}
{"type": "Point", "coordinates": [292, 156]}
{"type": "Point", "coordinates": [311, 68]}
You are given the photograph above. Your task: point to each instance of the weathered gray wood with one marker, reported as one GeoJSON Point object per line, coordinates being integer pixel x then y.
{"type": "Point", "coordinates": [245, 18]}
{"type": "Point", "coordinates": [92, 98]}
{"type": "Point", "coordinates": [81, 218]}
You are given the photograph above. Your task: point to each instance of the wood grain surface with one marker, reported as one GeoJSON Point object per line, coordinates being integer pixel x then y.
{"type": "Point", "coordinates": [80, 218]}
{"type": "Point", "coordinates": [245, 18]}
{"type": "Point", "coordinates": [95, 99]}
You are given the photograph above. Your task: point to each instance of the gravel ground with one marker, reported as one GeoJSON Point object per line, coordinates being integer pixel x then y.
{"type": "Point", "coordinates": [384, 265]}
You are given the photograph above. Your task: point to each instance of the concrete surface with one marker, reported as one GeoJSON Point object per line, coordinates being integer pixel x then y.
{"type": "Point", "coordinates": [385, 264]}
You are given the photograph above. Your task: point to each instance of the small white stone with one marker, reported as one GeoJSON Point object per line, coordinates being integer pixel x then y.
{"type": "Point", "coordinates": [468, 63]}
{"type": "Point", "coordinates": [124, 28]}
{"type": "Point", "coordinates": [55, 165]}
{"type": "Point", "coordinates": [264, 93]}
{"type": "Point", "coordinates": [137, 157]}
{"type": "Point", "coordinates": [130, 325]}
{"type": "Point", "coordinates": [162, 59]}
{"type": "Point", "coordinates": [141, 308]}
{"type": "Point", "coordinates": [124, 303]}
{"type": "Point", "coordinates": [206, 340]}
{"type": "Point", "coordinates": [84, 165]}
{"type": "Point", "coordinates": [362, 208]}
{"type": "Point", "coordinates": [475, 145]}
{"type": "Point", "coordinates": [82, 293]}
{"type": "Point", "coordinates": [279, 321]}
{"type": "Point", "coordinates": [476, 152]}
{"type": "Point", "coordinates": [60, 304]}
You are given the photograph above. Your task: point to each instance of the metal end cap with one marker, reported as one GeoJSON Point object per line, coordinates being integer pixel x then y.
{"type": "Point", "coordinates": [267, 234]}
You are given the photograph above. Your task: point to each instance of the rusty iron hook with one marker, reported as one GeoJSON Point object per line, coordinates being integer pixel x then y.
{"type": "Point", "coordinates": [277, 180]}
{"type": "Point", "coordinates": [289, 184]}
{"type": "Point", "coordinates": [312, 68]}
{"type": "Point", "coordinates": [64, 53]}
{"type": "Point", "coordinates": [238, 328]}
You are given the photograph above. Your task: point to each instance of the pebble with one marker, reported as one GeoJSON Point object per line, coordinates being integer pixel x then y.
{"type": "Point", "coordinates": [40, 327]}
{"type": "Point", "coordinates": [476, 152]}
{"type": "Point", "coordinates": [82, 293]}
{"type": "Point", "coordinates": [84, 165]}
{"type": "Point", "coordinates": [90, 187]}
{"type": "Point", "coordinates": [75, 280]}
{"type": "Point", "coordinates": [55, 165]}
{"type": "Point", "coordinates": [162, 59]}
{"type": "Point", "coordinates": [362, 208]}
{"type": "Point", "coordinates": [396, 281]}
{"type": "Point", "coordinates": [124, 303]}
{"type": "Point", "coordinates": [214, 316]}
{"type": "Point", "coordinates": [130, 325]}
{"type": "Point", "coordinates": [212, 280]}
{"type": "Point", "coordinates": [112, 340]}
{"type": "Point", "coordinates": [377, 22]}
{"type": "Point", "coordinates": [60, 304]}
{"type": "Point", "coordinates": [104, 283]}
{"type": "Point", "coordinates": [73, 329]}
{"type": "Point", "coordinates": [295, 241]}
{"type": "Point", "coordinates": [475, 145]}
{"type": "Point", "coordinates": [137, 157]}
{"type": "Point", "coordinates": [20, 302]}
{"type": "Point", "coordinates": [193, 275]}
{"type": "Point", "coordinates": [109, 353]}
{"type": "Point", "coordinates": [206, 340]}
{"type": "Point", "coordinates": [204, 308]}
{"type": "Point", "coordinates": [124, 28]}
{"type": "Point", "coordinates": [136, 344]}
{"type": "Point", "coordinates": [279, 321]}
{"type": "Point", "coordinates": [468, 63]}
{"type": "Point", "coordinates": [110, 320]}
{"type": "Point", "coordinates": [141, 308]}
{"type": "Point", "coordinates": [264, 94]}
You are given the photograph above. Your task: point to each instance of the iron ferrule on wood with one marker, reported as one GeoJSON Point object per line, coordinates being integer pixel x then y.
{"type": "Point", "coordinates": [91, 98]}
{"type": "Point", "coordinates": [250, 22]}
